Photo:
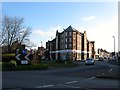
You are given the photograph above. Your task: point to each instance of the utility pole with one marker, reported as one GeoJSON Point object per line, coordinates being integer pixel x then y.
{"type": "Point", "coordinates": [41, 44]}
{"type": "Point", "coordinates": [51, 49]}
{"type": "Point", "coordinates": [114, 45]}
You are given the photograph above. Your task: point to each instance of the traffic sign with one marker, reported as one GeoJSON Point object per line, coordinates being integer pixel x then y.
{"type": "Point", "coordinates": [23, 58]}
{"type": "Point", "coordinates": [27, 57]}
{"type": "Point", "coordinates": [18, 57]}
{"type": "Point", "coordinates": [24, 62]}
{"type": "Point", "coordinates": [24, 52]}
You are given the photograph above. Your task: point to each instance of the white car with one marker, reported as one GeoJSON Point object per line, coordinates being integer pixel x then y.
{"type": "Point", "coordinates": [89, 62]}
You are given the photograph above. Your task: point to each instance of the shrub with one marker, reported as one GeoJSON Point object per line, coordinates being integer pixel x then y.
{"type": "Point", "coordinates": [8, 57]}
{"type": "Point", "coordinates": [10, 67]}
{"type": "Point", "coordinates": [7, 65]}
{"type": "Point", "coordinates": [70, 65]}
{"type": "Point", "coordinates": [60, 61]}
{"type": "Point", "coordinates": [70, 61]}
{"type": "Point", "coordinates": [14, 62]}
{"type": "Point", "coordinates": [34, 67]}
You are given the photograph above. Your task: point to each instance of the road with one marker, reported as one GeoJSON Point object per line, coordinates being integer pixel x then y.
{"type": "Point", "coordinates": [82, 76]}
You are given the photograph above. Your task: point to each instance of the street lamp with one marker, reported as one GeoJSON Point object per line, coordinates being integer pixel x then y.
{"type": "Point", "coordinates": [114, 45]}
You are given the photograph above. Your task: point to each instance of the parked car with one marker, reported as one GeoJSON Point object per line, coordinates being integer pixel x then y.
{"type": "Point", "coordinates": [83, 60]}
{"type": "Point", "coordinates": [100, 59]}
{"type": "Point", "coordinates": [96, 59]}
{"type": "Point", "coordinates": [89, 62]}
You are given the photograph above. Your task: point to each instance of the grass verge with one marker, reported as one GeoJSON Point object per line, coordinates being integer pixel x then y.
{"type": "Point", "coordinates": [11, 67]}
{"type": "Point", "coordinates": [57, 64]}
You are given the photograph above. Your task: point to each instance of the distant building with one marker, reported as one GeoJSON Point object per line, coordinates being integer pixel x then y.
{"type": "Point", "coordinates": [70, 44]}
{"type": "Point", "coordinates": [91, 49]}
{"type": "Point", "coordinates": [41, 51]}
{"type": "Point", "coordinates": [103, 53]}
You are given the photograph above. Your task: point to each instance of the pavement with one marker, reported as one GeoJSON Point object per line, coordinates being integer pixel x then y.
{"type": "Point", "coordinates": [113, 73]}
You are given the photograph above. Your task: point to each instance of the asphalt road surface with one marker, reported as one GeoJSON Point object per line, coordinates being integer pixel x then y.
{"type": "Point", "coordinates": [82, 76]}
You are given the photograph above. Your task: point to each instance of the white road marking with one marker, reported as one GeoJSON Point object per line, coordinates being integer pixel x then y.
{"type": "Point", "coordinates": [44, 86]}
{"type": "Point", "coordinates": [110, 70]}
{"type": "Point", "coordinates": [90, 78]}
{"type": "Point", "coordinates": [69, 86]}
{"type": "Point", "coordinates": [70, 82]}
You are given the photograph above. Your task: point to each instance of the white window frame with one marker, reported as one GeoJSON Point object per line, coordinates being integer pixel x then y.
{"type": "Point", "coordinates": [70, 45]}
{"type": "Point", "coordinates": [74, 45]}
{"type": "Point", "coordinates": [70, 33]}
{"type": "Point", "coordinates": [70, 40]}
{"type": "Point", "coordinates": [66, 40]}
{"type": "Point", "coordinates": [74, 39]}
{"type": "Point", "coordinates": [74, 33]}
{"type": "Point", "coordinates": [65, 33]}
{"type": "Point", "coordinates": [65, 45]}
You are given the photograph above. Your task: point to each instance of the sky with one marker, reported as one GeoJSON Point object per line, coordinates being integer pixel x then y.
{"type": "Point", "coordinates": [98, 19]}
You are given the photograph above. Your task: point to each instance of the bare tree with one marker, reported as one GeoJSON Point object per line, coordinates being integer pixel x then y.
{"type": "Point", "coordinates": [12, 30]}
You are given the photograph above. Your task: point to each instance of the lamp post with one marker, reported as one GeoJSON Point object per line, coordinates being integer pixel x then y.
{"type": "Point", "coordinates": [114, 45]}
{"type": "Point", "coordinates": [51, 49]}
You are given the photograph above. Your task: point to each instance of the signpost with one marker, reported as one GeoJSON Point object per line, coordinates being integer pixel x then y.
{"type": "Point", "coordinates": [17, 56]}
{"type": "Point", "coordinates": [27, 56]}
{"type": "Point", "coordinates": [24, 62]}
{"type": "Point", "coordinates": [22, 56]}
{"type": "Point", "coordinates": [24, 52]}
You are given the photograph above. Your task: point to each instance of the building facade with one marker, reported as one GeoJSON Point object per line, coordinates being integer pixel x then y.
{"type": "Point", "coordinates": [70, 44]}
{"type": "Point", "coordinates": [103, 53]}
{"type": "Point", "coordinates": [41, 52]}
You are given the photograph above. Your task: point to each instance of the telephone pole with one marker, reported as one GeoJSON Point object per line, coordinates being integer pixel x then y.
{"type": "Point", "coordinates": [114, 45]}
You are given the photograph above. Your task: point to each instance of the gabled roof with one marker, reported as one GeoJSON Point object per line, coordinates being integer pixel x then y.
{"type": "Point", "coordinates": [70, 28]}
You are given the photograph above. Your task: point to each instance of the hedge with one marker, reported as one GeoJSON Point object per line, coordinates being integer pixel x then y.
{"type": "Point", "coordinates": [8, 57]}
{"type": "Point", "coordinates": [8, 66]}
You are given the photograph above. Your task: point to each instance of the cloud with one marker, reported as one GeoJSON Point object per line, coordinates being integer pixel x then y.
{"type": "Point", "coordinates": [81, 29]}
{"type": "Point", "coordinates": [102, 34]}
{"type": "Point", "coordinates": [43, 35]}
{"type": "Point", "coordinates": [59, 28]}
{"type": "Point", "coordinates": [50, 32]}
{"type": "Point", "coordinates": [89, 18]}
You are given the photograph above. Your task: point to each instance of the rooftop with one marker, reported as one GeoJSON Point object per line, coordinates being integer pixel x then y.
{"type": "Point", "coordinates": [70, 28]}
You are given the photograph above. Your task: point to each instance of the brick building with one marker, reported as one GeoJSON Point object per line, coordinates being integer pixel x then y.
{"type": "Point", "coordinates": [103, 53]}
{"type": "Point", "coordinates": [70, 44]}
{"type": "Point", "coordinates": [41, 51]}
